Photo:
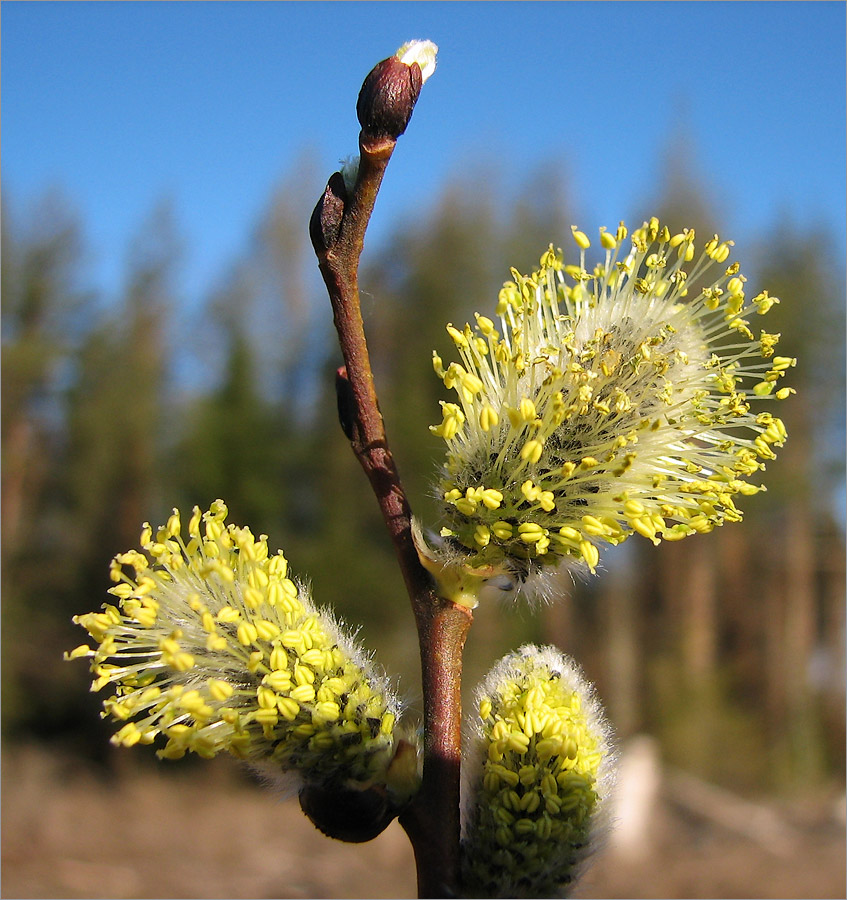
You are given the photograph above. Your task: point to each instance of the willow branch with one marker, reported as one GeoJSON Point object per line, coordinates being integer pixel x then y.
{"type": "Point", "coordinates": [338, 230]}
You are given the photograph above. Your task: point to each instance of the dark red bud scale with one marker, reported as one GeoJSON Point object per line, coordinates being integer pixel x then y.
{"type": "Point", "coordinates": [387, 98]}
{"type": "Point", "coordinates": [347, 814]}
{"type": "Point", "coordinates": [326, 217]}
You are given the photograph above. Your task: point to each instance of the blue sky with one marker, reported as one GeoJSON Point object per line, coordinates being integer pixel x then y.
{"type": "Point", "coordinates": [212, 103]}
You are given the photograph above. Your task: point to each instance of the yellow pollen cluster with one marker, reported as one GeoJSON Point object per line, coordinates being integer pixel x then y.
{"type": "Point", "coordinates": [212, 646]}
{"type": "Point", "coordinates": [543, 764]}
{"type": "Point", "coordinates": [608, 402]}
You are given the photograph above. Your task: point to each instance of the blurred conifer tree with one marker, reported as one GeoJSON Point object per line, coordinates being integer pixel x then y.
{"type": "Point", "coordinates": [715, 643]}
{"type": "Point", "coordinates": [44, 306]}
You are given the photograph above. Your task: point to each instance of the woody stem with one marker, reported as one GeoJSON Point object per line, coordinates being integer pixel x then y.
{"type": "Point", "coordinates": [432, 818]}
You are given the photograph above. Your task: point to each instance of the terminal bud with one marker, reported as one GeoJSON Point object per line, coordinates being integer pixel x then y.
{"type": "Point", "coordinates": [387, 98]}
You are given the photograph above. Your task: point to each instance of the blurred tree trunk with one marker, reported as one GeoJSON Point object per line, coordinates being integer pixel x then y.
{"type": "Point", "coordinates": [799, 644]}
{"type": "Point", "coordinates": [697, 582]}
{"type": "Point", "coordinates": [619, 599]}
{"type": "Point", "coordinates": [773, 590]}
{"type": "Point", "coordinates": [687, 582]}
{"type": "Point", "coordinates": [834, 636]}
{"type": "Point", "coordinates": [22, 482]}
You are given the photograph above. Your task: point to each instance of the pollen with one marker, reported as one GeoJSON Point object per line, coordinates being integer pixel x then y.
{"type": "Point", "coordinates": [213, 648]}
{"type": "Point", "coordinates": [540, 771]}
{"type": "Point", "coordinates": [613, 394]}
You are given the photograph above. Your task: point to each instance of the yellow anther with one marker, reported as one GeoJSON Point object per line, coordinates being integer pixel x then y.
{"type": "Point", "coordinates": [220, 690]}
{"type": "Point", "coordinates": [593, 526]}
{"type": "Point", "coordinates": [458, 338]}
{"type": "Point", "coordinates": [502, 530]}
{"type": "Point", "coordinates": [530, 532]}
{"type": "Point", "coordinates": [530, 491]}
{"type": "Point", "coordinates": [278, 680]}
{"type": "Point", "coordinates": [288, 708]}
{"type": "Point", "coordinates": [491, 498]}
{"type": "Point", "coordinates": [482, 535]}
{"type": "Point", "coordinates": [532, 450]}
{"type": "Point", "coordinates": [488, 418]}
{"type": "Point", "coordinates": [782, 363]}
{"type": "Point", "coordinates": [547, 499]}
{"type": "Point", "coordinates": [590, 554]}
{"type": "Point", "coordinates": [485, 325]}
{"type": "Point", "coordinates": [182, 662]}
{"type": "Point", "coordinates": [607, 240]}
{"type": "Point", "coordinates": [303, 693]}
{"type": "Point", "coordinates": [266, 630]}
{"type": "Point", "coordinates": [173, 525]}
{"type": "Point", "coordinates": [581, 238]}
{"type": "Point", "coordinates": [247, 633]}
{"type": "Point", "coordinates": [518, 742]}
{"type": "Point", "coordinates": [472, 385]}
{"type": "Point", "coordinates": [527, 410]}
{"type": "Point", "coordinates": [644, 527]}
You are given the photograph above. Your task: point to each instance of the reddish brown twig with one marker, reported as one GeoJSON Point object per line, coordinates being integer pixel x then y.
{"type": "Point", "coordinates": [338, 229]}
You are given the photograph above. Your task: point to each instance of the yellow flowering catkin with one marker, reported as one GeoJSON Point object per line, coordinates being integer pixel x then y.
{"type": "Point", "coordinates": [596, 404]}
{"type": "Point", "coordinates": [541, 767]}
{"type": "Point", "coordinates": [213, 647]}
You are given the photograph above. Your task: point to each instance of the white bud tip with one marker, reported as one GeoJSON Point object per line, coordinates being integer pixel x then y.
{"type": "Point", "coordinates": [421, 52]}
{"type": "Point", "coordinates": [350, 171]}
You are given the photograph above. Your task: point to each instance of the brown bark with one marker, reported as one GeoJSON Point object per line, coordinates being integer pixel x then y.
{"type": "Point", "coordinates": [432, 819]}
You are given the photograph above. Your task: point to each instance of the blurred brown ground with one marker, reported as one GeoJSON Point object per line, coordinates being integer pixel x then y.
{"type": "Point", "coordinates": [148, 832]}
